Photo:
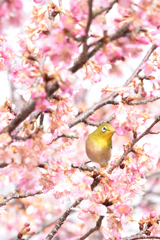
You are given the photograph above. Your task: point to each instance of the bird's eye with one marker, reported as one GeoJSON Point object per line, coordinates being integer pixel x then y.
{"type": "Point", "coordinates": [104, 129]}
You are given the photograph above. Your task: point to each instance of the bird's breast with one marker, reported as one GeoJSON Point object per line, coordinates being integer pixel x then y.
{"type": "Point", "coordinates": [98, 151]}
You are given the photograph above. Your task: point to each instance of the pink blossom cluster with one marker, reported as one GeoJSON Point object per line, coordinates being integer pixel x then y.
{"type": "Point", "coordinates": [9, 10]}
{"type": "Point", "coordinates": [7, 53]}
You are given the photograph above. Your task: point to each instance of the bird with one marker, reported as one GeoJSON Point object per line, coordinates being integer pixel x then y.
{"type": "Point", "coordinates": [99, 144]}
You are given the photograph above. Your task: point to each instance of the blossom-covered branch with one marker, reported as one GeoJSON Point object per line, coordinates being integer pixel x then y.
{"type": "Point", "coordinates": [27, 110]}
{"type": "Point", "coordinates": [110, 100]}
{"type": "Point", "coordinates": [51, 89]}
{"type": "Point", "coordinates": [130, 148]}
{"type": "Point", "coordinates": [99, 44]}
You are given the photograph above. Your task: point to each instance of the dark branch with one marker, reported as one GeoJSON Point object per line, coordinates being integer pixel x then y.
{"type": "Point", "coordinates": [143, 101]}
{"type": "Point", "coordinates": [119, 33]}
{"type": "Point", "coordinates": [3, 165]}
{"type": "Point", "coordinates": [140, 237]}
{"type": "Point", "coordinates": [21, 138]}
{"type": "Point", "coordinates": [27, 110]}
{"type": "Point", "coordinates": [17, 196]}
{"type": "Point", "coordinates": [85, 47]}
{"type": "Point", "coordinates": [66, 136]}
{"type": "Point", "coordinates": [83, 167]}
{"type": "Point", "coordinates": [97, 227]}
{"type": "Point", "coordinates": [62, 219]}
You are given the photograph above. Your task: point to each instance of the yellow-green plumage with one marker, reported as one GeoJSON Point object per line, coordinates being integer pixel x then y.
{"type": "Point", "coordinates": [99, 144]}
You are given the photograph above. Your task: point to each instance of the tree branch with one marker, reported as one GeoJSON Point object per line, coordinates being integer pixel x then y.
{"type": "Point", "coordinates": [41, 228]}
{"type": "Point", "coordinates": [97, 124]}
{"type": "Point", "coordinates": [119, 33]}
{"type": "Point", "coordinates": [16, 195]}
{"type": "Point", "coordinates": [62, 219]}
{"type": "Point", "coordinates": [85, 47]}
{"type": "Point", "coordinates": [129, 149]}
{"type": "Point", "coordinates": [3, 1]}
{"type": "Point", "coordinates": [138, 69]}
{"type": "Point", "coordinates": [143, 101]}
{"type": "Point", "coordinates": [106, 10]}
{"type": "Point", "coordinates": [3, 165]}
{"type": "Point", "coordinates": [66, 136]}
{"type": "Point", "coordinates": [83, 116]}
{"type": "Point", "coordinates": [27, 110]}
{"type": "Point", "coordinates": [83, 167]}
{"type": "Point", "coordinates": [21, 138]}
{"type": "Point", "coordinates": [97, 227]}
{"type": "Point", "coordinates": [139, 237]}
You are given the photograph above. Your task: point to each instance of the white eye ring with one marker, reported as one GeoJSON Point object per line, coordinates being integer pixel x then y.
{"type": "Point", "coordinates": [104, 129]}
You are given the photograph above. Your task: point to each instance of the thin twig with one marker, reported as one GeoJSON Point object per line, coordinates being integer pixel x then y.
{"type": "Point", "coordinates": [89, 21]}
{"type": "Point", "coordinates": [40, 229]}
{"type": "Point", "coordinates": [106, 10]}
{"type": "Point", "coordinates": [129, 149]}
{"type": "Point", "coordinates": [21, 138]}
{"type": "Point", "coordinates": [97, 227]}
{"type": "Point", "coordinates": [65, 135]}
{"type": "Point", "coordinates": [62, 219]}
{"type": "Point", "coordinates": [138, 69]}
{"type": "Point", "coordinates": [153, 174]}
{"type": "Point", "coordinates": [97, 124]}
{"type": "Point", "coordinates": [151, 192]}
{"type": "Point", "coordinates": [143, 101]}
{"type": "Point", "coordinates": [41, 119]}
{"type": "Point", "coordinates": [140, 237]}
{"type": "Point", "coordinates": [60, 4]}
{"type": "Point", "coordinates": [16, 195]}
{"type": "Point", "coordinates": [83, 167]}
